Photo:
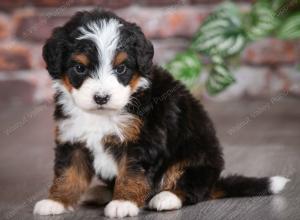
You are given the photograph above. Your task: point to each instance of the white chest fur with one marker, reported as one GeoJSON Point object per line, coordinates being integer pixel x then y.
{"type": "Point", "coordinates": [91, 128]}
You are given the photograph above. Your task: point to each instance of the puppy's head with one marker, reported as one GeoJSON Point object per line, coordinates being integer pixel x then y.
{"type": "Point", "coordinates": [100, 59]}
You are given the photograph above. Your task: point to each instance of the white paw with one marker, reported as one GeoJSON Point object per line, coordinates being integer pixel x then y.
{"type": "Point", "coordinates": [50, 207]}
{"type": "Point", "coordinates": [165, 200]}
{"type": "Point", "coordinates": [120, 209]}
{"type": "Point", "coordinates": [277, 184]}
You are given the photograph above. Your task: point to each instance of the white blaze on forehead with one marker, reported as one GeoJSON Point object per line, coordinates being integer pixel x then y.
{"type": "Point", "coordinates": [105, 34]}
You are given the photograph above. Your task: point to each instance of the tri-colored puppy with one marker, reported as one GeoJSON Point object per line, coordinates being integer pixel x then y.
{"type": "Point", "coordinates": [128, 122]}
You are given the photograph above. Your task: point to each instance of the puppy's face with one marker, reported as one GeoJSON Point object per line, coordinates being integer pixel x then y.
{"type": "Point", "coordinates": [100, 59]}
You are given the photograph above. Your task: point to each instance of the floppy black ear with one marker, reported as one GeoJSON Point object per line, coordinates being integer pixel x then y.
{"type": "Point", "coordinates": [144, 51]}
{"type": "Point", "coordinates": [55, 51]}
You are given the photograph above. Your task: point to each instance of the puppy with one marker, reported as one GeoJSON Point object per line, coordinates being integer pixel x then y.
{"type": "Point", "coordinates": [131, 124]}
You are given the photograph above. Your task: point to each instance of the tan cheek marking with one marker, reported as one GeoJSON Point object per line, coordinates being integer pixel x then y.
{"type": "Point", "coordinates": [81, 58]}
{"type": "Point", "coordinates": [67, 83]}
{"type": "Point", "coordinates": [120, 58]}
{"type": "Point", "coordinates": [134, 81]}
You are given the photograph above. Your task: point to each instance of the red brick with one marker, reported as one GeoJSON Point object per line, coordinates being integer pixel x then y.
{"type": "Point", "coordinates": [157, 23]}
{"type": "Point", "coordinates": [57, 3]}
{"type": "Point", "coordinates": [98, 3]}
{"type": "Point", "coordinates": [14, 57]}
{"type": "Point", "coordinates": [11, 4]}
{"type": "Point", "coordinates": [205, 1]}
{"type": "Point", "coordinates": [114, 4]}
{"type": "Point", "coordinates": [163, 2]}
{"type": "Point", "coordinates": [271, 51]}
{"type": "Point", "coordinates": [4, 27]}
{"type": "Point", "coordinates": [170, 22]}
{"type": "Point", "coordinates": [38, 27]}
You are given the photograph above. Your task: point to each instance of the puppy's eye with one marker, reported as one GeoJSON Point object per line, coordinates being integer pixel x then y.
{"type": "Point", "coordinates": [79, 68]}
{"type": "Point", "coordinates": [121, 69]}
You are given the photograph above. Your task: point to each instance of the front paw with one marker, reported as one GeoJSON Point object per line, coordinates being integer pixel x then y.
{"type": "Point", "coordinates": [120, 209]}
{"type": "Point", "coordinates": [165, 200]}
{"type": "Point", "coordinates": [50, 207]}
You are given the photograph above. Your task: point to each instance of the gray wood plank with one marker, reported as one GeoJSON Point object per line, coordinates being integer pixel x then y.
{"type": "Point", "coordinates": [267, 145]}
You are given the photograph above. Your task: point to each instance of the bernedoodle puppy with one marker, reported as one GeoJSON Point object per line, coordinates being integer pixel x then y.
{"type": "Point", "coordinates": [128, 122]}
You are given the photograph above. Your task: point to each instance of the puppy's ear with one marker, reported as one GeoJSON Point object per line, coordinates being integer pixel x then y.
{"type": "Point", "coordinates": [144, 51]}
{"type": "Point", "coordinates": [55, 52]}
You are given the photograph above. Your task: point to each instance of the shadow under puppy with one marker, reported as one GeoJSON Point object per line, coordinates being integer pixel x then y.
{"type": "Point", "coordinates": [128, 122]}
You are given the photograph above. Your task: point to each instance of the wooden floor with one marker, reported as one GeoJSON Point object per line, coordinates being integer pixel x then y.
{"type": "Point", "coordinates": [260, 138]}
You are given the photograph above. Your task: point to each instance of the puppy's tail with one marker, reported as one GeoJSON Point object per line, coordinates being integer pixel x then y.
{"type": "Point", "coordinates": [240, 186]}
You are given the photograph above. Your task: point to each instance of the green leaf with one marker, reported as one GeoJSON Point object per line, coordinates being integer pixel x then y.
{"type": "Point", "coordinates": [262, 20]}
{"type": "Point", "coordinates": [186, 67]}
{"type": "Point", "coordinates": [290, 29]}
{"type": "Point", "coordinates": [216, 59]}
{"type": "Point", "coordinates": [221, 33]}
{"type": "Point", "coordinates": [279, 6]}
{"type": "Point", "coordinates": [219, 79]}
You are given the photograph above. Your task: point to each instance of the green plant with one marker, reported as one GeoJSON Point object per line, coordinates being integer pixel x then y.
{"type": "Point", "coordinates": [225, 33]}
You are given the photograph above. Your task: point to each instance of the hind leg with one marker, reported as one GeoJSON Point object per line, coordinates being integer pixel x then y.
{"type": "Point", "coordinates": [184, 186]}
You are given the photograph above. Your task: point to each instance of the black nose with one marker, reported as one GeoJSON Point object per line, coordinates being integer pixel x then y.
{"type": "Point", "coordinates": [101, 100]}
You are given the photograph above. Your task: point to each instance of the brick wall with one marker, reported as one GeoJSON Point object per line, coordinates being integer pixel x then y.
{"type": "Point", "coordinates": [24, 26]}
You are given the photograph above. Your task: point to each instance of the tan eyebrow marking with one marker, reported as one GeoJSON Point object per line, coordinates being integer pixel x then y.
{"type": "Point", "coordinates": [81, 58]}
{"type": "Point", "coordinates": [134, 81]}
{"type": "Point", "coordinates": [120, 58]}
